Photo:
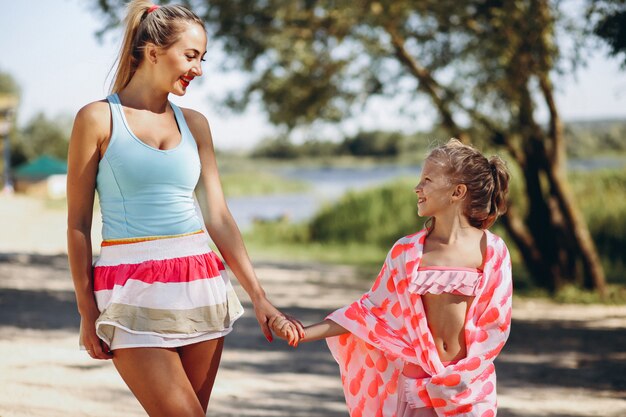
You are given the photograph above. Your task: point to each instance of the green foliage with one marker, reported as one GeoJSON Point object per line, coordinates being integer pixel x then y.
{"type": "Point", "coordinates": [43, 136]}
{"type": "Point", "coordinates": [381, 144]}
{"type": "Point", "coordinates": [609, 20]}
{"type": "Point", "coordinates": [279, 148]}
{"type": "Point", "coordinates": [371, 144]}
{"type": "Point", "coordinates": [602, 198]}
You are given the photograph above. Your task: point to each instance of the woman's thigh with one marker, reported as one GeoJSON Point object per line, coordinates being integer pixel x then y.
{"type": "Point", "coordinates": [157, 378]}
{"type": "Point", "coordinates": [201, 361]}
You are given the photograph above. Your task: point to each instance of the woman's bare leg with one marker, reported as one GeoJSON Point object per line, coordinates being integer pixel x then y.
{"type": "Point", "coordinates": [201, 361]}
{"type": "Point", "coordinates": [157, 378]}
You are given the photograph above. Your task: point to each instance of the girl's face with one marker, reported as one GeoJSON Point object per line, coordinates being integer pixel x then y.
{"type": "Point", "coordinates": [179, 64]}
{"type": "Point", "coordinates": [434, 191]}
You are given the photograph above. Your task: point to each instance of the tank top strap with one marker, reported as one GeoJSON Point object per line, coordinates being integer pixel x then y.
{"type": "Point", "coordinates": [182, 123]}
{"type": "Point", "coordinates": [117, 117]}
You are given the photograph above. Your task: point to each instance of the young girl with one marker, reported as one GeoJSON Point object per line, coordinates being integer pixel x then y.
{"type": "Point", "coordinates": [422, 341]}
{"type": "Point", "coordinates": [158, 300]}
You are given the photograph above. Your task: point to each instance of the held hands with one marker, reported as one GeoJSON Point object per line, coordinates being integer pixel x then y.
{"type": "Point", "coordinates": [266, 314]}
{"type": "Point", "coordinates": [287, 328]}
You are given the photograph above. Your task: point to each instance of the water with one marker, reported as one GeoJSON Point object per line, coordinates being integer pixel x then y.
{"type": "Point", "coordinates": [327, 184]}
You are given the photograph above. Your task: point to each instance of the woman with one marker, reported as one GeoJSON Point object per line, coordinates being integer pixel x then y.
{"type": "Point", "coordinates": [158, 301]}
{"type": "Point", "coordinates": [422, 341]}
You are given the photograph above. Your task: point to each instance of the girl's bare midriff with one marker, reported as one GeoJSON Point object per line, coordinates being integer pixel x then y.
{"type": "Point", "coordinates": [446, 315]}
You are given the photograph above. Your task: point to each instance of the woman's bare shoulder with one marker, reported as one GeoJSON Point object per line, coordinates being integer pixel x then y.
{"type": "Point", "coordinates": [95, 110]}
{"type": "Point", "coordinates": [198, 124]}
{"type": "Point", "coordinates": [96, 114]}
{"type": "Point", "coordinates": [92, 124]}
{"type": "Point", "coordinates": [194, 118]}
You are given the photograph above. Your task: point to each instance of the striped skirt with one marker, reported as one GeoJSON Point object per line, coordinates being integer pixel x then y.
{"type": "Point", "coordinates": [164, 291]}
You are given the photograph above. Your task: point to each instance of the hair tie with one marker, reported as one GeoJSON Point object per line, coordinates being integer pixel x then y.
{"type": "Point", "coordinates": [153, 8]}
{"type": "Point", "coordinates": [494, 171]}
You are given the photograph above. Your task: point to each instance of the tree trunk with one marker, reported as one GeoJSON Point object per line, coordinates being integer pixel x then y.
{"type": "Point", "coordinates": [554, 237]}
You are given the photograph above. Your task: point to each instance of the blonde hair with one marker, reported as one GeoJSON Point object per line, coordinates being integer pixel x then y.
{"type": "Point", "coordinates": [160, 26]}
{"type": "Point", "coordinates": [487, 180]}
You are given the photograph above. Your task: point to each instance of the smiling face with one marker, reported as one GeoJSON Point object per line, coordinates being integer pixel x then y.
{"type": "Point", "coordinates": [434, 191]}
{"type": "Point", "coordinates": [179, 64]}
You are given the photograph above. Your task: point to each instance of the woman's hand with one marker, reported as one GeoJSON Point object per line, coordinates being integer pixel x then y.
{"type": "Point", "coordinates": [96, 348]}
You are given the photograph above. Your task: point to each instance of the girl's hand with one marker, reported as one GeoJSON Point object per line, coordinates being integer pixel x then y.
{"type": "Point", "coordinates": [96, 348]}
{"type": "Point", "coordinates": [287, 328]}
{"type": "Point", "coordinates": [264, 311]}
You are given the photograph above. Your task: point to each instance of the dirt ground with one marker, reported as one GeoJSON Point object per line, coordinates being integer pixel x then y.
{"type": "Point", "coordinates": [560, 361]}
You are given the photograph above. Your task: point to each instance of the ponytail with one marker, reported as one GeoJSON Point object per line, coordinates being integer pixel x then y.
{"type": "Point", "coordinates": [500, 191]}
{"type": "Point", "coordinates": [127, 61]}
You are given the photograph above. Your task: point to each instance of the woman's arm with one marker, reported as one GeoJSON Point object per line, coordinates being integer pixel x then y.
{"type": "Point", "coordinates": [82, 166]}
{"type": "Point", "coordinates": [222, 227]}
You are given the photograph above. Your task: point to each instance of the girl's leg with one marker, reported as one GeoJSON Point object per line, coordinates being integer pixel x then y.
{"type": "Point", "coordinates": [157, 378]}
{"type": "Point", "coordinates": [200, 362]}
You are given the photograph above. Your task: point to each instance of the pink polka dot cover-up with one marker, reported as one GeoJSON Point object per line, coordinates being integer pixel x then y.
{"type": "Point", "coordinates": [388, 329]}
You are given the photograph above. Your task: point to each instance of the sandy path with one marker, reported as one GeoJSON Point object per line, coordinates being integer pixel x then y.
{"type": "Point", "coordinates": [560, 360]}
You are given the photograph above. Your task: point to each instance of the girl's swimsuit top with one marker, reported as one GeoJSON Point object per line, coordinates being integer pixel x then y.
{"type": "Point", "coordinates": [144, 191]}
{"type": "Point", "coordinates": [445, 279]}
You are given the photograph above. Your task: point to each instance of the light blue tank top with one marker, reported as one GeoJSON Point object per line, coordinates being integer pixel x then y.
{"type": "Point", "coordinates": [145, 191]}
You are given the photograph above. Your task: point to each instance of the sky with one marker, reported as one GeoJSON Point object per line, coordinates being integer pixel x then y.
{"type": "Point", "coordinates": [50, 48]}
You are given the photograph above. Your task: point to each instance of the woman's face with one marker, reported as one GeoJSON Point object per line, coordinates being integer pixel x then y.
{"type": "Point", "coordinates": [178, 65]}
{"type": "Point", "coordinates": [434, 191]}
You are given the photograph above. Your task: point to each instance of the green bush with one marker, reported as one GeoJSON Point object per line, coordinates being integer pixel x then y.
{"type": "Point", "coordinates": [601, 196]}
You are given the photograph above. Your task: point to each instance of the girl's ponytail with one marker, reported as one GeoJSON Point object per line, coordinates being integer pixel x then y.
{"type": "Point", "coordinates": [500, 190]}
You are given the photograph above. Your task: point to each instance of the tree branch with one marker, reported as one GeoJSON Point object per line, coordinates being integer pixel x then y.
{"type": "Point", "coordinates": [426, 82]}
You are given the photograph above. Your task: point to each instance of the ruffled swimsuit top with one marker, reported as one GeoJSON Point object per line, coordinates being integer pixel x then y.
{"type": "Point", "coordinates": [446, 279]}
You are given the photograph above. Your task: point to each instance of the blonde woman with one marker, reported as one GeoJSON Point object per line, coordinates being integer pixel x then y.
{"type": "Point", "coordinates": [158, 301]}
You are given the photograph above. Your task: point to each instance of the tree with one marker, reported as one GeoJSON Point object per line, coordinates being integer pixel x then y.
{"type": "Point", "coordinates": [8, 85]}
{"type": "Point", "coordinates": [42, 136]}
{"type": "Point", "coordinates": [608, 19]}
{"type": "Point", "coordinates": [485, 65]}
